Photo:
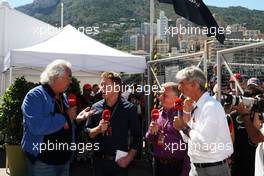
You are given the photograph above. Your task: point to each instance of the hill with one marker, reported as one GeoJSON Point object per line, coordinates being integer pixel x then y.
{"type": "Point", "coordinates": [130, 12]}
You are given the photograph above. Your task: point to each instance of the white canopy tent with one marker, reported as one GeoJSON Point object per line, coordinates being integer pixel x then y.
{"type": "Point", "coordinates": [84, 53]}
{"type": "Point", "coordinates": [18, 30]}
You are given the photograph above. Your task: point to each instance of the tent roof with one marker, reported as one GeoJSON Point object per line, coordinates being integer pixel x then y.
{"type": "Point", "coordinates": [84, 53]}
{"type": "Point", "coordinates": [18, 30]}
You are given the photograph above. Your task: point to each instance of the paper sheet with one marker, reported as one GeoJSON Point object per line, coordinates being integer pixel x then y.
{"type": "Point", "coordinates": [120, 154]}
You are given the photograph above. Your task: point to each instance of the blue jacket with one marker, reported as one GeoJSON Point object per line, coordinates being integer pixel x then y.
{"type": "Point", "coordinates": [39, 119]}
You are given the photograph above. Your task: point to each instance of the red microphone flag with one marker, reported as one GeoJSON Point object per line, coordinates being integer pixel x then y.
{"type": "Point", "coordinates": [178, 104]}
{"type": "Point", "coordinates": [154, 114]}
{"type": "Point", "coordinates": [106, 115]}
{"type": "Point", "coordinates": [72, 100]}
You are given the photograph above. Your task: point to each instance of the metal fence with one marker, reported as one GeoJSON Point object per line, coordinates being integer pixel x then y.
{"type": "Point", "coordinates": [248, 60]}
{"type": "Point", "coordinates": [167, 69]}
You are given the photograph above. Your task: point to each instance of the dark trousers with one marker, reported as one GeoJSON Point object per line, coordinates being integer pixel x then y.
{"type": "Point", "coordinates": [108, 168]}
{"type": "Point", "coordinates": [168, 168]}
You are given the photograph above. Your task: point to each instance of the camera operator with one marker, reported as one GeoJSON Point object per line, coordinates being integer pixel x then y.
{"type": "Point", "coordinates": [247, 125]}
{"type": "Point", "coordinates": [254, 129]}
{"type": "Point", "coordinates": [255, 134]}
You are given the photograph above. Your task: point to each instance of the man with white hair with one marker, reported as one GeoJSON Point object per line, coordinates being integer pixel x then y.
{"type": "Point", "coordinates": [207, 133]}
{"type": "Point", "coordinates": [47, 121]}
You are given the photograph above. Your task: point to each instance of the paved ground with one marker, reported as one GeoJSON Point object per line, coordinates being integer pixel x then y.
{"type": "Point", "coordinates": [3, 172]}
{"type": "Point", "coordinates": [138, 168]}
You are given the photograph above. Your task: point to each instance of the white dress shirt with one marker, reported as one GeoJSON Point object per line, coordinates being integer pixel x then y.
{"type": "Point", "coordinates": [210, 139]}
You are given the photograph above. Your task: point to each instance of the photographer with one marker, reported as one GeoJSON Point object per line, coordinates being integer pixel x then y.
{"type": "Point", "coordinates": [250, 118]}
{"type": "Point", "coordinates": [256, 136]}
{"type": "Point", "coordinates": [253, 128]}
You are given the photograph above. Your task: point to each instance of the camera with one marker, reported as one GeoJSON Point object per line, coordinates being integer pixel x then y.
{"type": "Point", "coordinates": [255, 104]}
{"type": "Point", "coordinates": [228, 99]}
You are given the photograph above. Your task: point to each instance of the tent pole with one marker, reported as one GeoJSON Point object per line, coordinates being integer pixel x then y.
{"type": "Point", "coordinates": [219, 74]}
{"type": "Point", "coordinates": [10, 76]}
{"type": "Point", "coordinates": [3, 43]}
{"type": "Point", "coordinates": [152, 16]}
{"type": "Point", "coordinates": [2, 83]}
{"type": "Point", "coordinates": [62, 14]}
{"type": "Point", "coordinates": [205, 63]}
{"type": "Point", "coordinates": [149, 94]}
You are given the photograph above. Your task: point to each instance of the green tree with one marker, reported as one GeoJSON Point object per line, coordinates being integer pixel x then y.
{"type": "Point", "coordinates": [11, 116]}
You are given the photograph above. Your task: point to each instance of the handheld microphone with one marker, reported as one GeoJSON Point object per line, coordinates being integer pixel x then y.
{"type": "Point", "coordinates": [178, 105]}
{"type": "Point", "coordinates": [107, 116]}
{"type": "Point", "coordinates": [154, 114]}
{"type": "Point", "coordinates": [72, 101]}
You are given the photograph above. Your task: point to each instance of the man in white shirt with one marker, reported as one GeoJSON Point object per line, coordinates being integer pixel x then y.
{"type": "Point", "coordinates": [207, 133]}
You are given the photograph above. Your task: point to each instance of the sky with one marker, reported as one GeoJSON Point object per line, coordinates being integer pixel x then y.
{"type": "Point", "coordinates": [251, 4]}
{"type": "Point", "coordinates": [16, 3]}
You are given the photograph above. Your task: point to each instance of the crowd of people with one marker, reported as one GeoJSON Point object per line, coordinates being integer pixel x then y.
{"type": "Point", "coordinates": [201, 137]}
{"type": "Point", "coordinates": [242, 161]}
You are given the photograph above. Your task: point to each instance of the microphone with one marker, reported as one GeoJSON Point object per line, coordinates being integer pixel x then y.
{"type": "Point", "coordinates": [154, 114]}
{"type": "Point", "coordinates": [72, 100]}
{"type": "Point", "coordinates": [178, 105]}
{"type": "Point", "coordinates": [107, 116]}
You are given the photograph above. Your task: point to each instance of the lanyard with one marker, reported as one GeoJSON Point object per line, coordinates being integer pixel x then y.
{"type": "Point", "coordinates": [60, 105]}
{"type": "Point", "coordinates": [114, 110]}
{"type": "Point", "coordinates": [112, 114]}
{"type": "Point", "coordinates": [192, 116]}
{"type": "Point", "coordinates": [192, 112]}
{"type": "Point", "coordinates": [164, 125]}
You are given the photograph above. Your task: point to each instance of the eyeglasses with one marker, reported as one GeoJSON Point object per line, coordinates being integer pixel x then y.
{"type": "Point", "coordinates": [113, 74]}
